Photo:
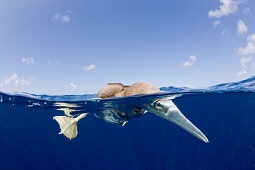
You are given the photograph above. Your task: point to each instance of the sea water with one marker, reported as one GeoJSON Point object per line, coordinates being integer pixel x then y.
{"type": "Point", "coordinates": [225, 113]}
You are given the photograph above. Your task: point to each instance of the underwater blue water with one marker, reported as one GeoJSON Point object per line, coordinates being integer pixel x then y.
{"type": "Point", "coordinates": [225, 113]}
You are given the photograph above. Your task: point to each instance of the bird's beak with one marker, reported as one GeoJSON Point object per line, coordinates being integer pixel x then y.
{"type": "Point", "coordinates": [168, 110]}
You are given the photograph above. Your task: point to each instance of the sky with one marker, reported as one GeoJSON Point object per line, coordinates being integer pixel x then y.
{"type": "Point", "coordinates": [76, 47]}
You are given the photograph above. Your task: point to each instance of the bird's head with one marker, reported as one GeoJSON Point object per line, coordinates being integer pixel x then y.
{"type": "Point", "coordinates": [169, 111]}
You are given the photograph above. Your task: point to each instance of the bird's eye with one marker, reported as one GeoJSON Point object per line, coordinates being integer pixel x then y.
{"type": "Point", "coordinates": [158, 106]}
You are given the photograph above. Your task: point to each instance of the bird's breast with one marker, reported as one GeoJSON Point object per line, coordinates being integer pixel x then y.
{"type": "Point", "coordinates": [113, 115]}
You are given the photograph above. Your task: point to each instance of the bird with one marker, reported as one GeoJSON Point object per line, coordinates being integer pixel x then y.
{"type": "Point", "coordinates": [164, 107]}
{"type": "Point", "coordinates": [119, 90]}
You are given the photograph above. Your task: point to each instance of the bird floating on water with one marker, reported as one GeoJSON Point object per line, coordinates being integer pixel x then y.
{"type": "Point", "coordinates": [163, 107]}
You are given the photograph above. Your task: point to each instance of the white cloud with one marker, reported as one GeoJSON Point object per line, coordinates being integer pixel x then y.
{"type": "Point", "coordinates": [251, 38]}
{"type": "Point", "coordinates": [74, 86]}
{"type": "Point", "coordinates": [190, 62]}
{"type": "Point", "coordinates": [241, 27]}
{"type": "Point", "coordinates": [246, 10]}
{"type": "Point", "coordinates": [224, 31]}
{"type": "Point", "coordinates": [50, 62]}
{"type": "Point", "coordinates": [56, 16]}
{"type": "Point", "coordinates": [227, 7]}
{"type": "Point", "coordinates": [242, 73]}
{"type": "Point", "coordinates": [244, 61]}
{"type": "Point", "coordinates": [28, 61]}
{"type": "Point", "coordinates": [63, 17]}
{"type": "Point", "coordinates": [14, 79]}
{"type": "Point", "coordinates": [249, 48]}
{"type": "Point", "coordinates": [69, 11]}
{"type": "Point", "coordinates": [66, 18]}
{"type": "Point", "coordinates": [90, 67]}
{"type": "Point", "coordinates": [246, 53]}
{"type": "Point", "coordinates": [217, 22]}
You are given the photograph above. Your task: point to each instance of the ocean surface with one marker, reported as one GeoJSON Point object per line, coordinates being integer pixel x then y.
{"type": "Point", "coordinates": [225, 113]}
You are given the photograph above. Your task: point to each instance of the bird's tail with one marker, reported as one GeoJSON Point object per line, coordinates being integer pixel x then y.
{"type": "Point", "coordinates": [68, 125]}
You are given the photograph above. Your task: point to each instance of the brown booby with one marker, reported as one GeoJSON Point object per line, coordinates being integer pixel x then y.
{"type": "Point", "coordinates": [164, 108]}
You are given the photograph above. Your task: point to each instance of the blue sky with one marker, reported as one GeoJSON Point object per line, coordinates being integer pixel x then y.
{"type": "Point", "coordinates": [75, 47]}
